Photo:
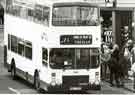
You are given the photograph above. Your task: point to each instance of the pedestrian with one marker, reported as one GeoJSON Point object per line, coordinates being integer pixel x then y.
{"type": "Point", "coordinates": [113, 65]}
{"type": "Point", "coordinates": [102, 60]}
{"type": "Point", "coordinates": [127, 52]}
{"type": "Point", "coordinates": [133, 70]}
{"type": "Point", "coordinates": [130, 45]}
{"type": "Point", "coordinates": [105, 57]}
{"type": "Point", "coordinates": [133, 63]}
{"type": "Point", "coordinates": [123, 68]}
{"type": "Point", "coordinates": [133, 54]}
{"type": "Point", "coordinates": [125, 33]}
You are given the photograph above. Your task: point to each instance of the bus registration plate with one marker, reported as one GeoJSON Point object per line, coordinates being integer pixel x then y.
{"type": "Point", "coordinates": [75, 88]}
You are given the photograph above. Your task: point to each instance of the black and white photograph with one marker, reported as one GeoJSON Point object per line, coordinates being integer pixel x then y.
{"type": "Point", "coordinates": [67, 46]}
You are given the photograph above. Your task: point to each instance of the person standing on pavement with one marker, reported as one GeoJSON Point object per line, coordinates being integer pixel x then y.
{"type": "Point", "coordinates": [102, 54]}
{"type": "Point", "coordinates": [133, 70]}
{"type": "Point", "coordinates": [123, 68]}
{"type": "Point", "coordinates": [127, 52]}
{"type": "Point", "coordinates": [113, 65]}
{"type": "Point", "coordinates": [105, 57]}
{"type": "Point", "coordinates": [133, 63]}
{"type": "Point", "coordinates": [133, 54]}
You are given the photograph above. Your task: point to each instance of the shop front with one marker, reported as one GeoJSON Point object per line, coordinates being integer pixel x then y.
{"type": "Point", "coordinates": [118, 20]}
{"type": "Point", "coordinates": [117, 25]}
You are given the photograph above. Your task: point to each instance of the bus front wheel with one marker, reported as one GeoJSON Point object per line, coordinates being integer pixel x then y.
{"type": "Point", "coordinates": [36, 80]}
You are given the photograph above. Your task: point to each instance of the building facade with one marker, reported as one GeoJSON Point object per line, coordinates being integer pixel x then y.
{"type": "Point", "coordinates": [118, 20]}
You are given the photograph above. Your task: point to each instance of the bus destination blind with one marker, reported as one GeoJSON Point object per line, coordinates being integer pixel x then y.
{"type": "Point", "coordinates": [75, 39]}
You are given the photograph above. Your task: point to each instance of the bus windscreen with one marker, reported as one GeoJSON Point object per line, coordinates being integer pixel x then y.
{"type": "Point", "coordinates": [74, 58]}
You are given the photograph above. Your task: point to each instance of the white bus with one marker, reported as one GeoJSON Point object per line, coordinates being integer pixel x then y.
{"type": "Point", "coordinates": [53, 43]}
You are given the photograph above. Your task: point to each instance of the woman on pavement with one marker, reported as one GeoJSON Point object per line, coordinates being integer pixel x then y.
{"type": "Point", "coordinates": [113, 65]}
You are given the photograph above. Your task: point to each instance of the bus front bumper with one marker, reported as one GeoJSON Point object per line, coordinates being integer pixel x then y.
{"type": "Point", "coordinates": [69, 87]}
{"type": "Point", "coordinates": [75, 88]}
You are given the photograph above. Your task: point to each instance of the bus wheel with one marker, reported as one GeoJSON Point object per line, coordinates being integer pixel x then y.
{"type": "Point", "coordinates": [36, 80]}
{"type": "Point", "coordinates": [13, 70]}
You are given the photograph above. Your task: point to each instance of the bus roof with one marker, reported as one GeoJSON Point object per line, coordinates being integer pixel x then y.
{"type": "Point", "coordinates": [67, 2]}
{"type": "Point", "coordinates": [57, 2]}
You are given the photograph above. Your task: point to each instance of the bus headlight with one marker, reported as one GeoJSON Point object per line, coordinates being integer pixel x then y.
{"type": "Point", "coordinates": [58, 82]}
{"type": "Point", "coordinates": [97, 82]}
{"type": "Point", "coordinates": [53, 83]}
{"type": "Point", "coordinates": [97, 75]}
{"type": "Point", "coordinates": [96, 78]}
{"type": "Point", "coordinates": [53, 77]}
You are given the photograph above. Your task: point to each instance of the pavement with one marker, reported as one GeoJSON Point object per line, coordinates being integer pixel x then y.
{"type": "Point", "coordinates": [129, 84]}
{"type": "Point", "coordinates": [3, 70]}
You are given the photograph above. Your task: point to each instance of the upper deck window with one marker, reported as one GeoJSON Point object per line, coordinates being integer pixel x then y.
{"type": "Point", "coordinates": [36, 13]}
{"type": "Point", "coordinates": [42, 14]}
{"type": "Point", "coordinates": [75, 15]}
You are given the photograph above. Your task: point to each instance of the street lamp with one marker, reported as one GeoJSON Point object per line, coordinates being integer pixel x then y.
{"type": "Point", "coordinates": [114, 3]}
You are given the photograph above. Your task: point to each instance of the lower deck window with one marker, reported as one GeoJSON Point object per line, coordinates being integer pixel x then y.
{"type": "Point", "coordinates": [13, 43]}
{"type": "Point", "coordinates": [21, 49]}
{"type": "Point", "coordinates": [28, 52]}
{"type": "Point", "coordinates": [20, 46]}
{"type": "Point", "coordinates": [9, 44]}
{"type": "Point", "coordinates": [28, 49]}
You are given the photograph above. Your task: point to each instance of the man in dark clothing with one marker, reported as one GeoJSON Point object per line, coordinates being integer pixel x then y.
{"type": "Point", "coordinates": [113, 65]}
{"type": "Point", "coordinates": [123, 68]}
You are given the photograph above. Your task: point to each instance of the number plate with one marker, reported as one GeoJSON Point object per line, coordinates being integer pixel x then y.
{"type": "Point", "coordinates": [75, 88]}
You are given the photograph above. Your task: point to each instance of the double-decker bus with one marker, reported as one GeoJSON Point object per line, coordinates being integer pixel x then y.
{"type": "Point", "coordinates": [53, 44]}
